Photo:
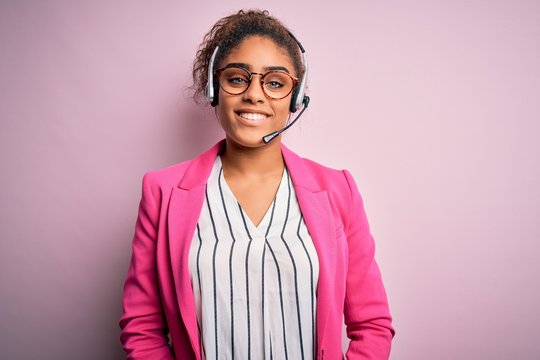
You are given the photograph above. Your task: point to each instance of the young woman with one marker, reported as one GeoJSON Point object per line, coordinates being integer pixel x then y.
{"type": "Point", "coordinates": [249, 251]}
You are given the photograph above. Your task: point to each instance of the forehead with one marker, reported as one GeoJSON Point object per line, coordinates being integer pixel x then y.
{"type": "Point", "coordinates": [259, 53]}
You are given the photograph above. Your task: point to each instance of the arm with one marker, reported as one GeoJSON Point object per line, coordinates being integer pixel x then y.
{"type": "Point", "coordinates": [367, 317]}
{"type": "Point", "coordinates": [143, 324]}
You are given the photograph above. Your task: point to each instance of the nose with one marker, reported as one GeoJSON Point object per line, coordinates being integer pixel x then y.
{"type": "Point", "coordinates": [254, 93]}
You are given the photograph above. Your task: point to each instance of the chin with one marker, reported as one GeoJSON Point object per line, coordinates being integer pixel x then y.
{"type": "Point", "coordinates": [245, 141]}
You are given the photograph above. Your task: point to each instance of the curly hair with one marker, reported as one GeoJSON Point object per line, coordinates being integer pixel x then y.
{"type": "Point", "coordinates": [229, 32]}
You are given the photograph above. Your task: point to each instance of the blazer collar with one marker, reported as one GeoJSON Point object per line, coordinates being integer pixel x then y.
{"type": "Point", "coordinates": [200, 167]}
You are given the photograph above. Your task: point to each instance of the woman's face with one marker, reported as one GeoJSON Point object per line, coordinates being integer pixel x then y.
{"type": "Point", "coordinates": [247, 117]}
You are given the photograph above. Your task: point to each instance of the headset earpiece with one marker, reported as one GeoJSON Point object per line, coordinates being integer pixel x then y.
{"type": "Point", "coordinates": [294, 99]}
{"type": "Point", "coordinates": [215, 100]}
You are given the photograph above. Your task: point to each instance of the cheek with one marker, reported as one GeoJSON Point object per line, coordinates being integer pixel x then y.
{"type": "Point", "coordinates": [224, 108]}
{"type": "Point", "coordinates": [222, 116]}
{"type": "Point", "coordinates": [284, 107]}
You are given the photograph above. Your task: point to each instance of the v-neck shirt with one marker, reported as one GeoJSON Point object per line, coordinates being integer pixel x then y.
{"type": "Point", "coordinates": [254, 286]}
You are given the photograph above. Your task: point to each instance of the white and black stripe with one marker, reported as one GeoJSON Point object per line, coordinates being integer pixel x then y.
{"type": "Point", "coordinates": [254, 286]}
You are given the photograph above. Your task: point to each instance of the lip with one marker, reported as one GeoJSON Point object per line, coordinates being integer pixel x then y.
{"type": "Point", "coordinates": [254, 111]}
{"type": "Point", "coordinates": [250, 122]}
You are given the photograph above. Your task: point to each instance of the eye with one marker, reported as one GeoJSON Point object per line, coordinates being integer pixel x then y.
{"type": "Point", "coordinates": [273, 84]}
{"type": "Point", "coordinates": [237, 80]}
{"type": "Point", "coordinates": [234, 77]}
{"type": "Point", "coordinates": [277, 81]}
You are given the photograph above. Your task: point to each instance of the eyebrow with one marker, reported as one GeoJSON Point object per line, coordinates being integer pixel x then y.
{"type": "Point", "coordinates": [266, 68]}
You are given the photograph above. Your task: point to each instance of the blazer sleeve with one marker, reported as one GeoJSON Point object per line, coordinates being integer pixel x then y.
{"type": "Point", "coordinates": [144, 332]}
{"type": "Point", "coordinates": [367, 316]}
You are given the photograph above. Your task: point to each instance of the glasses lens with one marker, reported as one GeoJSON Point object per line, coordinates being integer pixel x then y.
{"type": "Point", "coordinates": [277, 84]}
{"type": "Point", "coordinates": [234, 80]}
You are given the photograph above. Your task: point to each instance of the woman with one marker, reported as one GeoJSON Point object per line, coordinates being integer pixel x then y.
{"type": "Point", "coordinates": [249, 251]}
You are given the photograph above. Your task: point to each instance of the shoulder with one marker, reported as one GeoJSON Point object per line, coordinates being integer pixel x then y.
{"type": "Point", "coordinates": [167, 176]}
{"type": "Point", "coordinates": [316, 176]}
{"type": "Point", "coordinates": [186, 174]}
{"type": "Point", "coordinates": [338, 184]}
{"type": "Point", "coordinates": [157, 185]}
{"type": "Point", "coordinates": [322, 171]}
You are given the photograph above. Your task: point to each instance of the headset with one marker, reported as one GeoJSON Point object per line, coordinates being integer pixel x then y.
{"type": "Point", "coordinates": [299, 98]}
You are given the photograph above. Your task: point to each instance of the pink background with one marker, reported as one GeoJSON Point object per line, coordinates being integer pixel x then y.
{"type": "Point", "coordinates": [434, 106]}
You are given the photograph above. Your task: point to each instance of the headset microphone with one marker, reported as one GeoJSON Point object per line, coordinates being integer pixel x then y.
{"type": "Point", "coordinates": [267, 138]}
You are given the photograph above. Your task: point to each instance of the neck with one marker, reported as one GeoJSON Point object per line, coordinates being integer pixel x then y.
{"type": "Point", "coordinates": [253, 162]}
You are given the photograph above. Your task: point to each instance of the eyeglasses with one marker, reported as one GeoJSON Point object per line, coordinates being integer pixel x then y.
{"type": "Point", "coordinates": [276, 84]}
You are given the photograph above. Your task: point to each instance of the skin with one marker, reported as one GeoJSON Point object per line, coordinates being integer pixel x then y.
{"type": "Point", "coordinates": [252, 169]}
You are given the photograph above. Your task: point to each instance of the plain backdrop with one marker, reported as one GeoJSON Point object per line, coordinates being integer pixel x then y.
{"type": "Point", "coordinates": [434, 106]}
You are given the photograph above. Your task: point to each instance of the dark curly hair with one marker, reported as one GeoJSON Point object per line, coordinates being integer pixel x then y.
{"type": "Point", "coordinates": [229, 32]}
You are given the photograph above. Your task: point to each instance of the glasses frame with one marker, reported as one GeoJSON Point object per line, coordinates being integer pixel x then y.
{"type": "Point", "coordinates": [262, 76]}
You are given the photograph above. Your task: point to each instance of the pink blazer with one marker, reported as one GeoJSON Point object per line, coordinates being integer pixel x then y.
{"type": "Point", "coordinates": [158, 299]}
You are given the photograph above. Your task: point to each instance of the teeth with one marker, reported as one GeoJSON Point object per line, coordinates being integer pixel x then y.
{"type": "Point", "coordinates": [253, 116]}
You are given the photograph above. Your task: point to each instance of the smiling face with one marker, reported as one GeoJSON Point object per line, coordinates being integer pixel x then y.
{"type": "Point", "coordinates": [247, 117]}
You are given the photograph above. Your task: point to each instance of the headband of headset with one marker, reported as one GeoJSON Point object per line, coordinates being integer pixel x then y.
{"type": "Point", "coordinates": [298, 98]}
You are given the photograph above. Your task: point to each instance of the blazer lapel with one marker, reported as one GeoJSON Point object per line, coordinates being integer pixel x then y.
{"type": "Point", "coordinates": [315, 207]}
{"type": "Point", "coordinates": [184, 210]}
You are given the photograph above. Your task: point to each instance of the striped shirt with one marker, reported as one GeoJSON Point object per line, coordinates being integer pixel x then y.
{"type": "Point", "coordinates": [254, 286]}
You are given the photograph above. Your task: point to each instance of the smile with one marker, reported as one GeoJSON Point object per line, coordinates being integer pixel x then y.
{"type": "Point", "coordinates": [252, 116]}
